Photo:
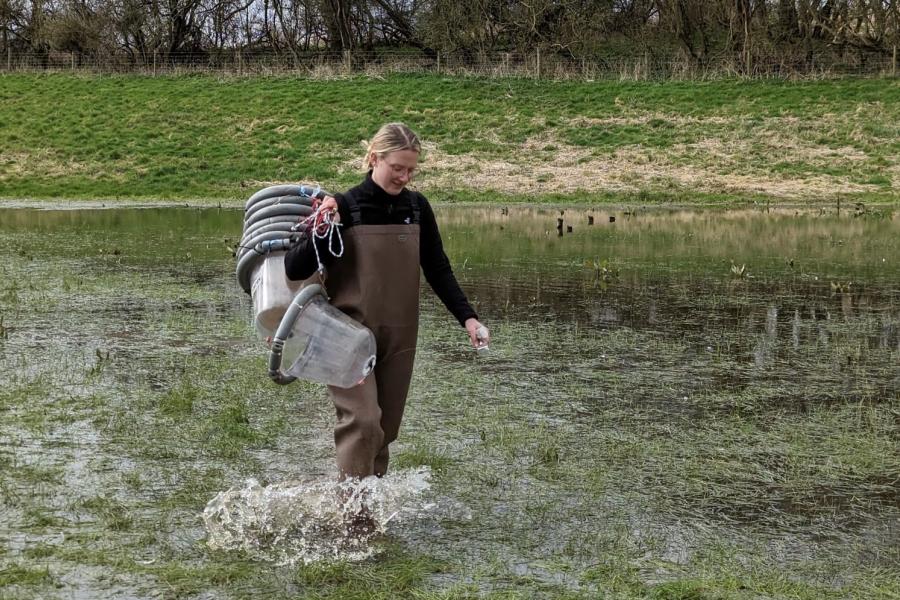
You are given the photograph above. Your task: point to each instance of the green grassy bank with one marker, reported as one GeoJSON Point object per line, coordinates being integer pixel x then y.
{"type": "Point", "coordinates": [207, 138]}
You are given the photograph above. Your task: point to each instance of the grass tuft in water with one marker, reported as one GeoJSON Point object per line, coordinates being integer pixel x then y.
{"type": "Point", "coordinates": [24, 575]}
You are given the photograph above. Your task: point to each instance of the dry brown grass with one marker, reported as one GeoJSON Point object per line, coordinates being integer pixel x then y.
{"type": "Point", "coordinates": [571, 169]}
{"type": "Point", "coordinates": [735, 157]}
{"type": "Point", "coordinates": [45, 163]}
{"type": "Point", "coordinates": [786, 157]}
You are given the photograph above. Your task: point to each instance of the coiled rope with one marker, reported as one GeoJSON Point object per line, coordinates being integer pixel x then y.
{"type": "Point", "coordinates": [321, 225]}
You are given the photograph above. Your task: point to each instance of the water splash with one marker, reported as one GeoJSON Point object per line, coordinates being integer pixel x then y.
{"type": "Point", "coordinates": [294, 522]}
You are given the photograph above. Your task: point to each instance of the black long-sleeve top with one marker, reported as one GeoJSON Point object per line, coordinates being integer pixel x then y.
{"type": "Point", "coordinates": [377, 207]}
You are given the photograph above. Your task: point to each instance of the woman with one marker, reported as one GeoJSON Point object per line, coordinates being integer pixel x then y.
{"type": "Point", "coordinates": [388, 232]}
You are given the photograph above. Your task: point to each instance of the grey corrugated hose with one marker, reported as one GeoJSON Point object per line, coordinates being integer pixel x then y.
{"type": "Point", "coordinates": [269, 218]}
{"type": "Point", "coordinates": [284, 331]}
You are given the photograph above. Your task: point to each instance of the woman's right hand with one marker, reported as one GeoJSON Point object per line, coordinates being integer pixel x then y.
{"type": "Point", "coordinates": [329, 204]}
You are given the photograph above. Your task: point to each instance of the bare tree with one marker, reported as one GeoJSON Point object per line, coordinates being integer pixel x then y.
{"type": "Point", "coordinates": [222, 23]}
{"type": "Point", "coordinates": [470, 26]}
{"type": "Point", "coordinates": [338, 22]}
{"type": "Point", "coordinates": [15, 22]}
{"type": "Point", "coordinates": [783, 30]}
{"type": "Point", "coordinates": [396, 22]}
{"type": "Point", "coordinates": [687, 20]}
{"type": "Point", "coordinates": [77, 26]}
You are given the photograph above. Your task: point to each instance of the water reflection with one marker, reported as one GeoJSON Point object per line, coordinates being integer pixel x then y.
{"type": "Point", "coordinates": [786, 243]}
{"type": "Point", "coordinates": [811, 279]}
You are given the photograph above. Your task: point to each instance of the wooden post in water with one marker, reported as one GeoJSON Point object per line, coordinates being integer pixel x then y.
{"type": "Point", "coordinates": [590, 219]}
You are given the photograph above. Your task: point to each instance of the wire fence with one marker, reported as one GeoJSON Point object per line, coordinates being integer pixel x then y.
{"type": "Point", "coordinates": [536, 65]}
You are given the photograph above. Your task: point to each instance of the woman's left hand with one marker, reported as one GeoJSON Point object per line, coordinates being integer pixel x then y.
{"type": "Point", "coordinates": [472, 327]}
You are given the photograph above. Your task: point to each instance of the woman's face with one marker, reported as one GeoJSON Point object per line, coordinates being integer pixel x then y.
{"type": "Point", "coordinates": [394, 170]}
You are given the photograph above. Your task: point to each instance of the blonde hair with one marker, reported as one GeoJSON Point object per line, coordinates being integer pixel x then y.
{"type": "Point", "coordinates": [391, 137]}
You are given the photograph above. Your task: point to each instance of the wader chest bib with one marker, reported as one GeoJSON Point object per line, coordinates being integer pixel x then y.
{"type": "Point", "coordinates": [376, 282]}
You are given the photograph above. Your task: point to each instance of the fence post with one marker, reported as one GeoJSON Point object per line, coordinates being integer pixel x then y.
{"type": "Point", "coordinates": [9, 58]}
{"type": "Point", "coordinates": [538, 62]}
{"type": "Point", "coordinates": [154, 63]}
{"type": "Point", "coordinates": [240, 62]}
{"type": "Point", "coordinates": [347, 61]}
{"type": "Point", "coordinates": [894, 62]}
{"type": "Point", "coordinates": [439, 62]}
{"type": "Point", "coordinates": [72, 59]}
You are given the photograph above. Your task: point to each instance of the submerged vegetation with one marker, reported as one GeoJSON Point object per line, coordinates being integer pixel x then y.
{"type": "Point", "coordinates": [218, 140]}
{"type": "Point", "coordinates": [641, 428]}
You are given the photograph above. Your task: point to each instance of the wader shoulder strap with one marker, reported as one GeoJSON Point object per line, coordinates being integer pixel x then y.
{"type": "Point", "coordinates": [416, 210]}
{"type": "Point", "coordinates": [353, 205]}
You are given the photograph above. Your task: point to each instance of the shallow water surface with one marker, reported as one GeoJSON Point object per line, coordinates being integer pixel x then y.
{"type": "Point", "coordinates": [671, 398]}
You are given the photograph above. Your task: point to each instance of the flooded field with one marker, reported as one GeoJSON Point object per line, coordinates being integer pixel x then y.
{"type": "Point", "coordinates": [676, 404]}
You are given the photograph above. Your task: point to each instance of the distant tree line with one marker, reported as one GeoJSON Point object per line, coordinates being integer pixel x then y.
{"type": "Point", "coordinates": [695, 30]}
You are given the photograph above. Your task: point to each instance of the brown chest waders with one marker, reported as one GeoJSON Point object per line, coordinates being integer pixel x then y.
{"type": "Point", "coordinates": [376, 282]}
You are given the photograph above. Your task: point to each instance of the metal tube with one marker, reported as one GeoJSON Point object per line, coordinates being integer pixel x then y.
{"type": "Point", "coordinates": [284, 331]}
